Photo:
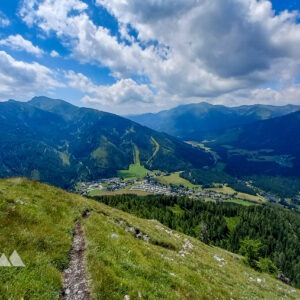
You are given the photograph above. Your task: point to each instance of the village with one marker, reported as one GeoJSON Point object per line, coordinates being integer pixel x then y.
{"type": "Point", "coordinates": [148, 185]}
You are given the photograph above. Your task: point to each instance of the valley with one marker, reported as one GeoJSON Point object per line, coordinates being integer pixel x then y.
{"type": "Point", "coordinates": [150, 150]}
{"type": "Point", "coordinates": [165, 185]}
{"type": "Point", "coordinates": [162, 202]}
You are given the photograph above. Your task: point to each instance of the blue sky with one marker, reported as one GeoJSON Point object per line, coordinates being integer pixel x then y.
{"type": "Point", "coordinates": [136, 56]}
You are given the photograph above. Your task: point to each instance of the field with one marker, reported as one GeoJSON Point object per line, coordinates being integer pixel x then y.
{"type": "Point", "coordinates": [134, 171]}
{"type": "Point", "coordinates": [118, 192]}
{"type": "Point", "coordinates": [240, 202]}
{"type": "Point", "coordinates": [175, 178]}
{"type": "Point", "coordinates": [95, 192]}
{"type": "Point", "coordinates": [230, 191]}
{"type": "Point", "coordinates": [197, 144]}
{"type": "Point", "coordinates": [258, 199]}
{"type": "Point", "coordinates": [224, 189]}
{"type": "Point", "coordinates": [210, 200]}
{"type": "Point", "coordinates": [38, 221]}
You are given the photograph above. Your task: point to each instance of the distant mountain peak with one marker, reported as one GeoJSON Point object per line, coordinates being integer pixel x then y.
{"type": "Point", "coordinates": [199, 121]}
{"type": "Point", "coordinates": [65, 109]}
{"type": "Point", "coordinates": [46, 101]}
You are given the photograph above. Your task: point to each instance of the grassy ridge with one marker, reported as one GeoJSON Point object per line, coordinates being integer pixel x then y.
{"type": "Point", "coordinates": [126, 266]}
{"type": "Point", "coordinates": [37, 220]}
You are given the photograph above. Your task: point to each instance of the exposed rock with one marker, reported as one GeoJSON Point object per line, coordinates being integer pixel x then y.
{"type": "Point", "coordinates": [135, 231]}
{"type": "Point", "coordinates": [114, 236]}
{"type": "Point", "coordinates": [218, 258]}
{"type": "Point", "coordinates": [170, 232]}
{"type": "Point", "coordinates": [284, 279]}
{"type": "Point", "coordinates": [86, 214]}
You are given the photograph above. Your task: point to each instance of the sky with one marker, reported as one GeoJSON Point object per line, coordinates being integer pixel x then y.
{"type": "Point", "coordinates": [132, 56]}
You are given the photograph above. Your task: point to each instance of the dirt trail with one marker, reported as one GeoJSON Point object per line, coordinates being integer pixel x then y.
{"type": "Point", "coordinates": [75, 283]}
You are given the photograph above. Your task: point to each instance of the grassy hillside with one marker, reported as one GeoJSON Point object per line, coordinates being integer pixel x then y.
{"type": "Point", "coordinates": [38, 221]}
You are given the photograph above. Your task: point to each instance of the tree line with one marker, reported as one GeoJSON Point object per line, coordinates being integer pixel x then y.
{"type": "Point", "coordinates": [274, 234]}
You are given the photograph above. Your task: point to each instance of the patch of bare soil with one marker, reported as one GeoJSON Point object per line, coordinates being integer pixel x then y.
{"type": "Point", "coordinates": [75, 283]}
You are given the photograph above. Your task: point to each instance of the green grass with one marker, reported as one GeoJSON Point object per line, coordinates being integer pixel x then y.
{"type": "Point", "coordinates": [95, 192]}
{"type": "Point", "coordinates": [134, 171]}
{"type": "Point", "coordinates": [230, 191]}
{"type": "Point", "coordinates": [224, 189]}
{"type": "Point", "coordinates": [210, 200]}
{"type": "Point", "coordinates": [197, 144]}
{"type": "Point", "coordinates": [240, 202]}
{"type": "Point", "coordinates": [38, 220]}
{"type": "Point", "coordinates": [121, 192]}
{"type": "Point", "coordinates": [232, 222]}
{"type": "Point", "coordinates": [176, 209]}
{"type": "Point", "coordinates": [157, 147]}
{"type": "Point", "coordinates": [155, 270]}
{"type": "Point", "coordinates": [174, 178]}
{"type": "Point", "coordinates": [258, 199]}
{"type": "Point", "coordinates": [136, 155]}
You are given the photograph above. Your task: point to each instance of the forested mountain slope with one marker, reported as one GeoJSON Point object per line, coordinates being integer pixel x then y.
{"type": "Point", "coordinates": [56, 142]}
{"type": "Point", "coordinates": [270, 147]}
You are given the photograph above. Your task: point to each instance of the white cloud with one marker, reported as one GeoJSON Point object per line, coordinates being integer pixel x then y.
{"type": "Point", "coordinates": [124, 91]}
{"type": "Point", "coordinates": [54, 53]}
{"type": "Point", "coordinates": [17, 42]}
{"type": "Point", "coordinates": [4, 21]}
{"type": "Point", "coordinates": [19, 79]}
{"type": "Point", "coordinates": [189, 49]}
{"type": "Point", "coordinates": [288, 95]}
{"type": "Point", "coordinates": [52, 14]}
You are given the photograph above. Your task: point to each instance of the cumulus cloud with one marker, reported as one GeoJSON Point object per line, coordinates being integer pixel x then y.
{"type": "Point", "coordinates": [124, 91]}
{"type": "Point", "coordinates": [17, 42]}
{"type": "Point", "coordinates": [22, 80]}
{"type": "Point", "coordinates": [284, 96]}
{"type": "Point", "coordinates": [54, 53]}
{"type": "Point", "coordinates": [188, 49]}
{"type": "Point", "coordinates": [4, 21]}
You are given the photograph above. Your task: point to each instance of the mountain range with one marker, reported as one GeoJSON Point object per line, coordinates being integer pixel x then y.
{"type": "Point", "coordinates": [56, 142]}
{"type": "Point", "coordinates": [249, 140]}
{"type": "Point", "coordinates": [196, 122]}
